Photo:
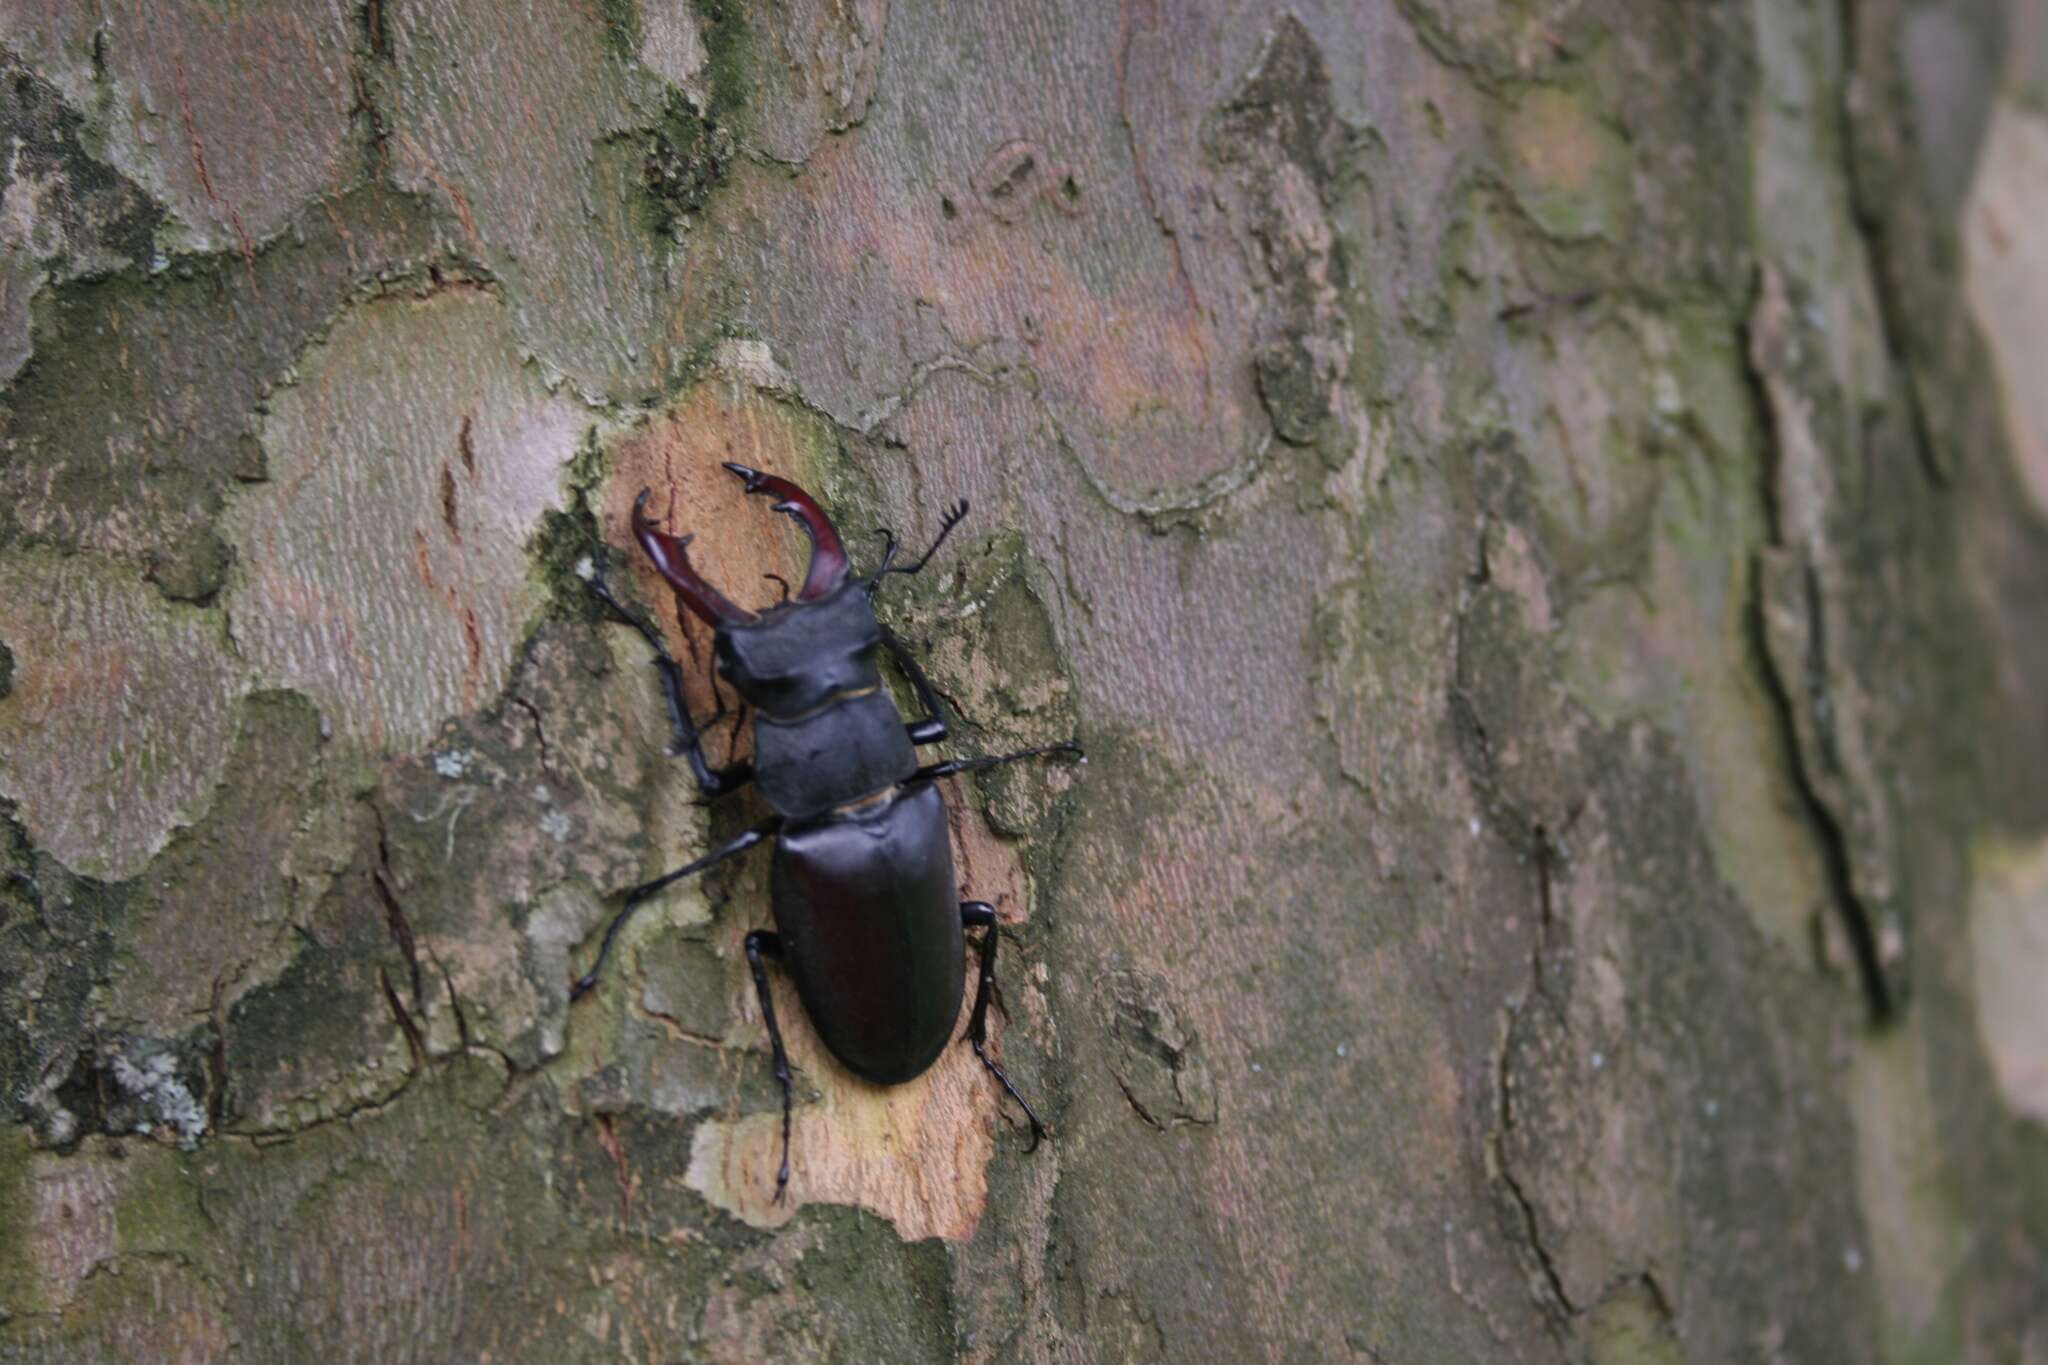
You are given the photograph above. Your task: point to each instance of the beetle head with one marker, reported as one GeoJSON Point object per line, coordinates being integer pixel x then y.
{"type": "Point", "coordinates": [795, 658]}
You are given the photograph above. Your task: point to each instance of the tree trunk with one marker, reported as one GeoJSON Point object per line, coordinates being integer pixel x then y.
{"type": "Point", "coordinates": [1538, 512]}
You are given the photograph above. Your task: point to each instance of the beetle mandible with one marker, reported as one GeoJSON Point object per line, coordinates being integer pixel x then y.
{"type": "Point", "coordinates": [866, 916]}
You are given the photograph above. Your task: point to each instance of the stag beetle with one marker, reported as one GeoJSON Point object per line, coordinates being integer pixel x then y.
{"type": "Point", "coordinates": [866, 919]}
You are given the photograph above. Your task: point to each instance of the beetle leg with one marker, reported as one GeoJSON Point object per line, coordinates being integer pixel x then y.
{"type": "Point", "coordinates": [933, 771]}
{"type": "Point", "coordinates": [762, 943]}
{"type": "Point", "coordinates": [644, 892]}
{"type": "Point", "coordinates": [685, 742]}
{"type": "Point", "coordinates": [932, 727]}
{"type": "Point", "coordinates": [981, 913]}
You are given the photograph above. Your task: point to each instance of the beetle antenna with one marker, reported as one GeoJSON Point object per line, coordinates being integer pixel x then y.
{"type": "Point", "coordinates": [781, 580]}
{"type": "Point", "coordinates": [888, 558]}
{"type": "Point", "coordinates": [954, 515]}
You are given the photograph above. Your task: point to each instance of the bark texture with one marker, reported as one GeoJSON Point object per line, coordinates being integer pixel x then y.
{"type": "Point", "coordinates": [1537, 508]}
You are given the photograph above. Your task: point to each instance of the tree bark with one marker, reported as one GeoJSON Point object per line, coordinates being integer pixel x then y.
{"type": "Point", "coordinates": [1538, 512]}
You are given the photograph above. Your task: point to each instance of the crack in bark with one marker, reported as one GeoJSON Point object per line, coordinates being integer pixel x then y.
{"type": "Point", "coordinates": [198, 147]}
{"type": "Point", "coordinates": [394, 913]}
{"type": "Point", "coordinates": [1126, 33]}
{"type": "Point", "coordinates": [413, 1040]}
{"type": "Point", "coordinates": [1866, 220]}
{"type": "Point", "coordinates": [1798, 685]}
{"type": "Point", "coordinates": [675, 1028]}
{"type": "Point", "coordinates": [540, 734]}
{"type": "Point", "coordinates": [1154, 1045]}
{"type": "Point", "coordinates": [374, 31]}
{"type": "Point", "coordinates": [515, 1078]}
{"type": "Point", "coordinates": [368, 1108]}
{"type": "Point", "coordinates": [1658, 1299]}
{"type": "Point", "coordinates": [1857, 919]}
{"type": "Point", "coordinates": [454, 1000]}
{"type": "Point", "coordinates": [1572, 300]}
{"type": "Point", "coordinates": [1159, 513]}
{"type": "Point", "coordinates": [1546, 853]}
{"type": "Point", "coordinates": [1136, 1107]}
{"type": "Point", "coordinates": [609, 1140]}
{"type": "Point", "coordinates": [1532, 1232]}
{"type": "Point", "coordinates": [450, 516]}
{"type": "Point", "coordinates": [217, 1058]}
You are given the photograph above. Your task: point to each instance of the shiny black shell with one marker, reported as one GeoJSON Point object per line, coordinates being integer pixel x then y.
{"type": "Point", "coordinates": [797, 657]}
{"type": "Point", "coordinates": [854, 748]}
{"type": "Point", "coordinates": [826, 731]}
{"type": "Point", "coordinates": [870, 921]}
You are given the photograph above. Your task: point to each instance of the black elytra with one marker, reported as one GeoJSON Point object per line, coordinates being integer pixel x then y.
{"type": "Point", "coordinates": [867, 918]}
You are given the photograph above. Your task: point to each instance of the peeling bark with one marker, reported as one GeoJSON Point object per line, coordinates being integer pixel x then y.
{"type": "Point", "coordinates": [1537, 512]}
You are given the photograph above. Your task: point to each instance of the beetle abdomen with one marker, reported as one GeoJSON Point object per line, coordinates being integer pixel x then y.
{"type": "Point", "coordinates": [870, 925]}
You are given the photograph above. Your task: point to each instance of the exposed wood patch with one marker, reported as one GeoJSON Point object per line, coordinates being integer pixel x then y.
{"type": "Point", "coordinates": [737, 542]}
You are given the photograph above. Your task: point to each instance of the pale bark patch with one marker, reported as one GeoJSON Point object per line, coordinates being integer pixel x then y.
{"type": "Point", "coordinates": [356, 586]}
{"type": "Point", "coordinates": [120, 716]}
{"type": "Point", "coordinates": [72, 1231]}
{"type": "Point", "coordinates": [1917, 1238]}
{"type": "Point", "coordinates": [2009, 946]}
{"type": "Point", "coordinates": [2005, 274]}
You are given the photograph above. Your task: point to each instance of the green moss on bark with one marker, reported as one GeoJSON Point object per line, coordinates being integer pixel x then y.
{"type": "Point", "coordinates": [729, 49]}
{"type": "Point", "coordinates": [693, 142]}
{"type": "Point", "coordinates": [20, 1291]}
{"type": "Point", "coordinates": [563, 551]}
{"type": "Point", "coordinates": [622, 31]}
{"type": "Point", "coordinates": [687, 158]}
